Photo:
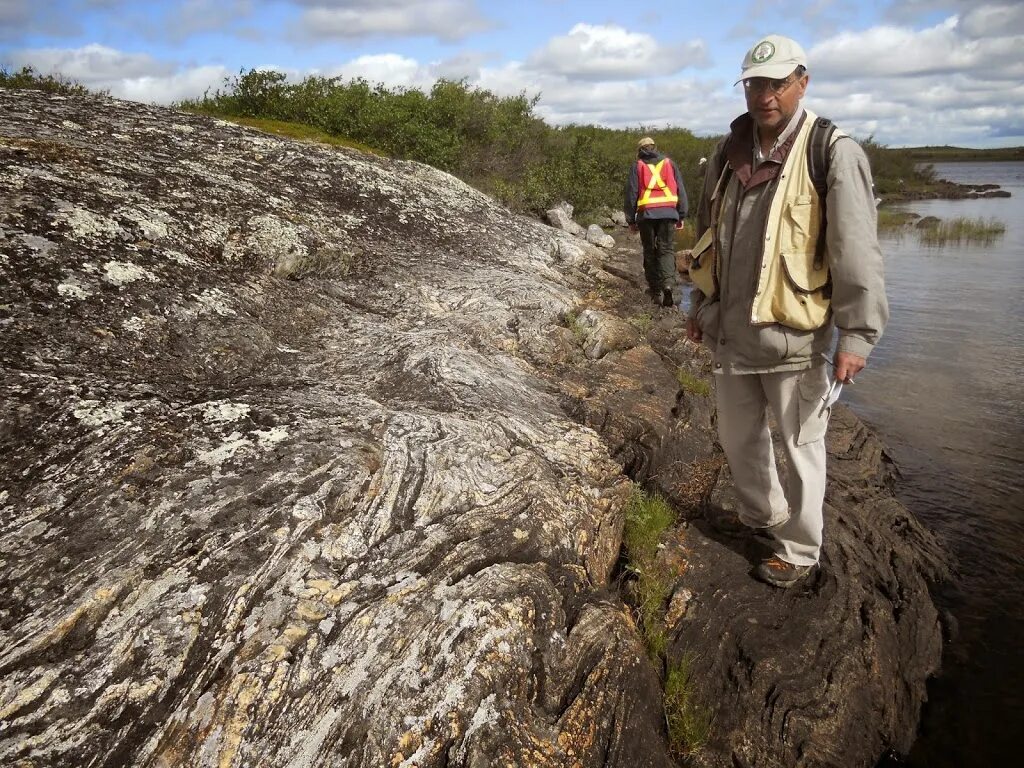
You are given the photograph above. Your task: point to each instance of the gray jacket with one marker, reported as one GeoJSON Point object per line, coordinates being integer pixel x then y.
{"type": "Point", "coordinates": [859, 306]}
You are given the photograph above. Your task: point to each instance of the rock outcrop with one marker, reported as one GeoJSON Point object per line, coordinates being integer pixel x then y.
{"type": "Point", "coordinates": [281, 485]}
{"type": "Point", "coordinates": [310, 458]}
{"type": "Point", "coordinates": [829, 673]}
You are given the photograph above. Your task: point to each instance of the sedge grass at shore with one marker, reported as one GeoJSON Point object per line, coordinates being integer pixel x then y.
{"type": "Point", "coordinates": [938, 232]}
{"type": "Point", "coordinates": [962, 230]}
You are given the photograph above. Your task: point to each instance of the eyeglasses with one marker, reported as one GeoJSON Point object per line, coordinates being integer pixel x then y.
{"type": "Point", "coordinates": [757, 85]}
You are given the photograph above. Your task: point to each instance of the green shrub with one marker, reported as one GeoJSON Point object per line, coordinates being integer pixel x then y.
{"type": "Point", "coordinates": [27, 78]}
{"type": "Point", "coordinates": [497, 144]}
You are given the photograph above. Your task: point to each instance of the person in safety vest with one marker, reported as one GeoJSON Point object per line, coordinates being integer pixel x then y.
{"type": "Point", "coordinates": [655, 204]}
{"type": "Point", "coordinates": [769, 295]}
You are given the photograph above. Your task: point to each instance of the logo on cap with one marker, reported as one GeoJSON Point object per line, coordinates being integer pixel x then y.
{"type": "Point", "coordinates": [764, 51]}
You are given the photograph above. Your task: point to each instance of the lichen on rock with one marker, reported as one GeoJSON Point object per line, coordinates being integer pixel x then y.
{"type": "Point", "coordinates": [283, 483]}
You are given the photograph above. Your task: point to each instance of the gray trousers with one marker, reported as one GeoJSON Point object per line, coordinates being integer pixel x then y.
{"type": "Point", "coordinates": [792, 510]}
{"type": "Point", "coordinates": [658, 237]}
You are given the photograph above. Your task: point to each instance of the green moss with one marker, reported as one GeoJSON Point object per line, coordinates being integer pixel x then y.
{"type": "Point", "coordinates": [688, 722]}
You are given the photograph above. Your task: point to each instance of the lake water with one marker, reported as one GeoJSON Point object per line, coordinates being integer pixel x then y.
{"type": "Point", "coordinates": [943, 390]}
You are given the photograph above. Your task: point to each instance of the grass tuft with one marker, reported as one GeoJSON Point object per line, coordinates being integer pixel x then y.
{"type": "Point", "coordinates": [692, 384]}
{"type": "Point", "coordinates": [647, 518]}
{"type": "Point", "coordinates": [963, 230]}
{"type": "Point", "coordinates": [689, 723]}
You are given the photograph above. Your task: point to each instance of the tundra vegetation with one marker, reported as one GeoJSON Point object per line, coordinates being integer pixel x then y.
{"type": "Point", "coordinates": [495, 143]}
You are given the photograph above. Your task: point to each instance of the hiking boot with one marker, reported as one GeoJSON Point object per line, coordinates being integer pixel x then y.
{"type": "Point", "coordinates": [666, 298]}
{"type": "Point", "coordinates": [777, 572]}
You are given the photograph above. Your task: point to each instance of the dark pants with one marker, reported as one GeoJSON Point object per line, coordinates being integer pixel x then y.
{"type": "Point", "coordinates": [659, 240]}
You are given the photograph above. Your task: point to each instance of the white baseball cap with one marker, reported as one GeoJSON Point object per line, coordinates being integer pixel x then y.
{"type": "Point", "coordinates": [774, 57]}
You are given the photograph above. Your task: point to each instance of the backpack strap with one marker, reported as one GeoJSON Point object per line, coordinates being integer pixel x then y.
{"type": "Point", "coordinates": [819, 154]}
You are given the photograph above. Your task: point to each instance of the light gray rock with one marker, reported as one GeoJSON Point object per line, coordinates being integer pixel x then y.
{"type": "Point", "coordinates": [560, 217]}
{"type": "Point", "coordinates": [619, 218]}
{"type": "Point", "coordinates": [597, 236]}
{"type": "Point", "coordinates": [281, 485]}
{"type": "Point", "coordinates": [605, 333]}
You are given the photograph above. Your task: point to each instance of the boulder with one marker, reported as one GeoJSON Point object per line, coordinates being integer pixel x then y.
{"type": "Point", "coordinates": [597, 236]}
{"type": "Point", "coordinates": [560, 217]}
{"type": "Point", "coordinates": [619, 218]}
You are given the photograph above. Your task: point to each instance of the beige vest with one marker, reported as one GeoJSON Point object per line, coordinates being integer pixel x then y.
{"type": "Point", "coordinates": [793, 289]}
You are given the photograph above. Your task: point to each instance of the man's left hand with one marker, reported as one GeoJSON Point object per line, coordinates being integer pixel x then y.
{"type": "Point", "coordinates": [848, 365]}
{"type": "Point", "coordinates": [634, 228]}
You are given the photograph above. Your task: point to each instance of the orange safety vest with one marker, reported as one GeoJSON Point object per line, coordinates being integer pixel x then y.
{"type": "Point", "coordinates": [658, 185]}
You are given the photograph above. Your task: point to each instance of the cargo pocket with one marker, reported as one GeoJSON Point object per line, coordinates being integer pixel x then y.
{"type": "Point", "coordinates": [811, 390]}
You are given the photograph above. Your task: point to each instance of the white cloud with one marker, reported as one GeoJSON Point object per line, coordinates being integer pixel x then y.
{"type": "Point", "coordinates": [610, 52]}
{"type": "Point", "coordinates": [447, 20]}
{"type": "Point", "coordinates": [188, 84]}
{"type": "Point", "coordinates": [994, 21]}
{"type": "Point", "coordinates": [390, 69]}
{"type": "Point", "coordinates": [701, 106]}
{"type": "Point", "coordinates": [888, 52]}
{"type": "Point", "coordinates": [138, 77]}
{"type": "Point", "coordinates": [465, 66]}
{"type": "Point", "coordinates": [91, 64]}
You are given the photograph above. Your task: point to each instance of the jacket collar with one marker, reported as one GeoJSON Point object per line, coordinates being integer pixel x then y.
{"type": "Point", "coordinates": [740, 153]}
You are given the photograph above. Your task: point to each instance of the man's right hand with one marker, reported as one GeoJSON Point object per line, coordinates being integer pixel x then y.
{"type": "Point", "coordinates": [693, 331]}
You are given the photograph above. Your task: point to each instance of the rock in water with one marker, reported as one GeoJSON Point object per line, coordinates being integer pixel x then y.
{"type": "Point", "coordinates": [281, 484]}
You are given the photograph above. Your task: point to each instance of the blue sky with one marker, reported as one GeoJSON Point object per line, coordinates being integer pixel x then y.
{"type": "Point", "coordinates": [908, 72]}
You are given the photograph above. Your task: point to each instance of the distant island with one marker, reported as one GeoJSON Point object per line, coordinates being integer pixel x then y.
{"type": "Point", "coordinates": [948, 154]}
{"type": "Point", "coordinates": [906, 173]}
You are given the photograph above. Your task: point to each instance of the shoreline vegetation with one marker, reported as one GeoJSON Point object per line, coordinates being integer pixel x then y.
{"type": "Point", "coordinates": [932, 231]}
{"type": "Point", "coordinates": [499, 145]}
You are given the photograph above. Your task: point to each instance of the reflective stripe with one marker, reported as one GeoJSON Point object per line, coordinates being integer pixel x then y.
{"type": "Point", "coordinates": [656, 194]}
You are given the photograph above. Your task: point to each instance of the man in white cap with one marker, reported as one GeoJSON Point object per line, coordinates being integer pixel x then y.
{"type": "Point", "coordinates": [655, 205]}
{"type": "Point", "coordinates": [770, 295]}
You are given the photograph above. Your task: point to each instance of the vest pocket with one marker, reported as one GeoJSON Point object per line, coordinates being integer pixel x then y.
{"type": "Point", "coordinates": [804, 223]}
{"type": "Point", "coordinates": [802, 299]}
{"type": "Point", "coordinates": [803, 274]}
